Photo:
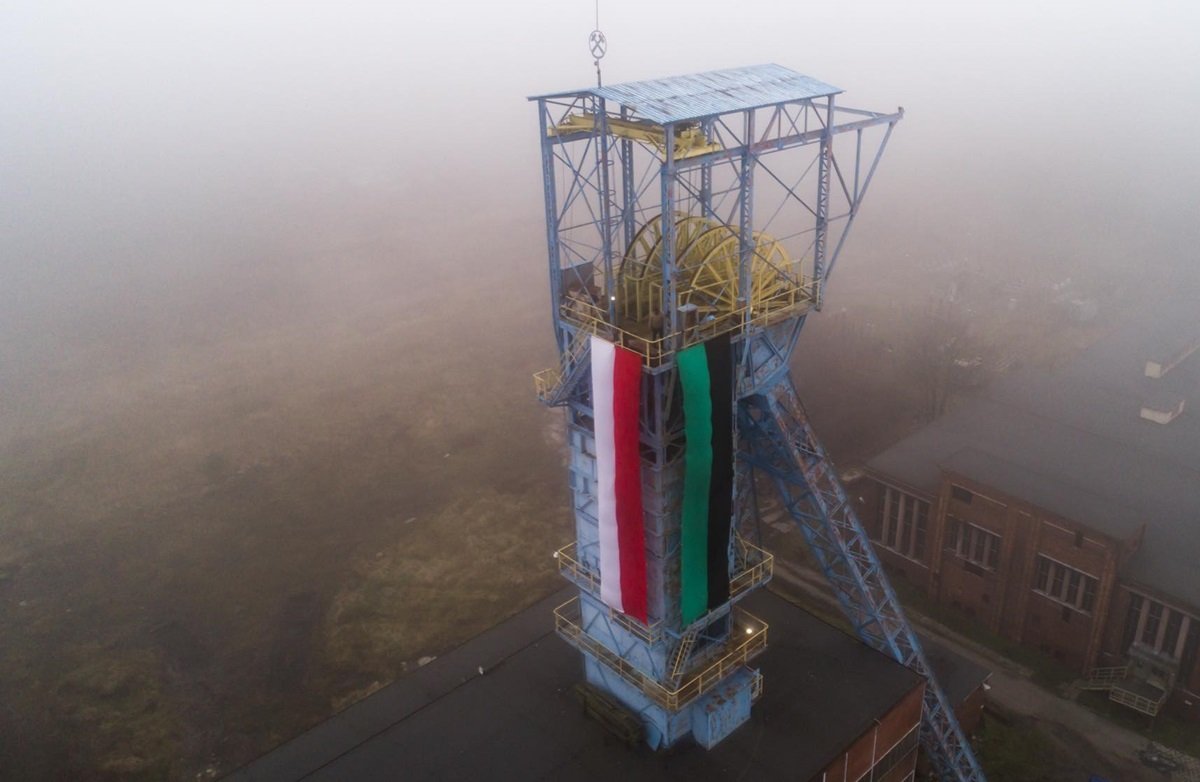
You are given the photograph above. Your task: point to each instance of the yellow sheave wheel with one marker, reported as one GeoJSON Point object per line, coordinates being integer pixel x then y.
{"type": "Point", "coordinates": [706, 254]}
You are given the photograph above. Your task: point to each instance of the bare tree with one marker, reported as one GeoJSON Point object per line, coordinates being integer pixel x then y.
{"type": "Point", "coordinates": [942, 354]}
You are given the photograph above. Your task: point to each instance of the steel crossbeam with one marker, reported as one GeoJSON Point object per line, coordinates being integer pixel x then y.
{"type": "Point", "coordinates": [775, 436]}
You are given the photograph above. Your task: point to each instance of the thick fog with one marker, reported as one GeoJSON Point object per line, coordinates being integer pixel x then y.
{"type": "Point", "coordinates": [165, 164]}
{"type": "Point", "coordinates": [142, 139]}
{"type": "Point", "coordinates": [300, 245]}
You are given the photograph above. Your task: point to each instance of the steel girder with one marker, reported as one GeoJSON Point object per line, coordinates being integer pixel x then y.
{"type": "Point", "coordinates": [776, 437]}
{"type": "Point", "coordinates": [587, 159]}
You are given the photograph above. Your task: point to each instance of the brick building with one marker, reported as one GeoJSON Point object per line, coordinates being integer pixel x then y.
{"type": "Point", "coordinates": [1061, 509]}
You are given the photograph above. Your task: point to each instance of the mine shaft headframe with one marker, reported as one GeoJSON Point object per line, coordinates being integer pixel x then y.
{"type": "Point", "coordinates": [760, 170]}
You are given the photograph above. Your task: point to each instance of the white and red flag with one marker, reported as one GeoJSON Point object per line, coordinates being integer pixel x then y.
{"type": "Point", "coordinates": [616, 397]}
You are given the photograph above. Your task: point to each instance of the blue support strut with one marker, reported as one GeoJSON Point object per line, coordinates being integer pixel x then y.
{"type": "Point", "coordinates": [778, 439]}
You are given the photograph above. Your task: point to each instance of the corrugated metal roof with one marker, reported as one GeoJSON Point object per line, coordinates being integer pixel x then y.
{"type": "Point", "coordinates": [680, 98]}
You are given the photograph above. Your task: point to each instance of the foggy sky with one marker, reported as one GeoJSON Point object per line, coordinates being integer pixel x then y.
{"type": "Point", "coordinates": [148, 148]}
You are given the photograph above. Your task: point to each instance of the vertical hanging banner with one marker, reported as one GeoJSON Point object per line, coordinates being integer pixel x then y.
{"type": "Point", "coordinates": [616, 395]}
{"type": "Point", "coordinates": [706, 375]}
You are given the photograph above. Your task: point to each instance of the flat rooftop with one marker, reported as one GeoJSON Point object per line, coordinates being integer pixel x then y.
{"type": "Point", "coordinates": [520, 720]}
{"type": "Point", "coordinates": [1072, 441]}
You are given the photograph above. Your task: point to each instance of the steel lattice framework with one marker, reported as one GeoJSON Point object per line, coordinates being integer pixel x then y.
{"type": "Point", "coordinates": [677, 210]}
{"type": "Point", "coordinates": [778, 439]}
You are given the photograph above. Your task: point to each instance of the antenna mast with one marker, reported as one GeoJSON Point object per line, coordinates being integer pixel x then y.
{"type": "Point", "coordinates": [598, 45]}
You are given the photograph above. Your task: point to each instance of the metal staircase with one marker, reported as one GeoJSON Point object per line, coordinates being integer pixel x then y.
{"type": "Point", "coordinates": [1103, 679]}
{"type": "Point", "coordinates": [683, 652]}
{"type": "Point", "coordinates": [1125, 688]}
{"type": "Point", "coordinates": [555, 385]}
{"type": "Point", "coordinates": [775, 436]}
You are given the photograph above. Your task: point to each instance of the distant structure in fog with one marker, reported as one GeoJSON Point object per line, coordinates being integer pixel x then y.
{"type": "Point", "coordinates": [692, 223]}
{"type": "Point", "coordinates": [1062, 509]}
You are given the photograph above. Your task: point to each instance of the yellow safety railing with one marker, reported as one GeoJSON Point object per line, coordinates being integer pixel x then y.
{"type": "Point", "coordinates": [590, 319]}
{"type": "Point", "coordinates": [747, 637]}
{"type": "Point", "coordinates": [546, 382]}
{"type": "Point", "coordinates": [756, 686]}
{"type": "Point", "coordinates": [572, 569]}
{"type": "Point", "coordinates": [655, 347]}
{"type": "Point", "coordinates": [584, 577]}
{"type": "Point", "coordinates": [587, 315]}
{"type": "Point", "coordinates": [754, 566]}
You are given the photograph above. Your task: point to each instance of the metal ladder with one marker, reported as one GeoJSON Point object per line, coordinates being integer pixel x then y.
{"type": "Point", "coordinates": [683, 652]}
{"type": "Point", "coordinates": [776, 437]}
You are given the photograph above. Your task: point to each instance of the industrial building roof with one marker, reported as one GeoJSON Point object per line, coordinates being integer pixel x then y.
{"type": "Point", "coordinates": [1057, 495]}
{"type": "Point", "coordinates": [690, 97]}
{"type": "Point", "coordinates": [1071, 440]}
{"type": "Point", "coordinates": [519, 719]}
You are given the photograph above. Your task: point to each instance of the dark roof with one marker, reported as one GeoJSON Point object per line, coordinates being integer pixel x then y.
{"type": "Point", "coordinates": [696, 95]}
{"type": "Point", "coordinates": [1072, 441]}
{"type": "Point", "coordinates": [1057, 495]}
{"type": "Point", "coordinates": [958, 676]}
{"type": "Point", "coordinates": [520, 720]}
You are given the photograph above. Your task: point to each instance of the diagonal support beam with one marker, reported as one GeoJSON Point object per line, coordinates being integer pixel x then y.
{"type": "Point", "coordinates": [777, 438]}
{"type": "Point", "coordinates": [735, 151]}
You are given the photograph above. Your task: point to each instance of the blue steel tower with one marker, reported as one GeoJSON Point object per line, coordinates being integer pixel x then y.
{"type": "Point", "coordinates": [696, 211]}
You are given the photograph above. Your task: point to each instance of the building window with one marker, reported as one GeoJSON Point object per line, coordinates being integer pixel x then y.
{"type": "Point", "coordinates": [1057, 580]}
{"type": "Point", "coordinates": [905, 524]}
{"type": "Point", "coordinates": [1132, 619]}
{"type": "Point", "coordinates": [1157, 627]}
{"type": "Point", "coordinates": [1171, 631]}
{"type": "Point", "coordinates": [1074, 582]}
{"type": "Point", "coordinates": [974, 544]}
{"type": "Point", "coordinates": [1073, 588]}
{"type": "Point", "coordinates": [1149, 634]}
